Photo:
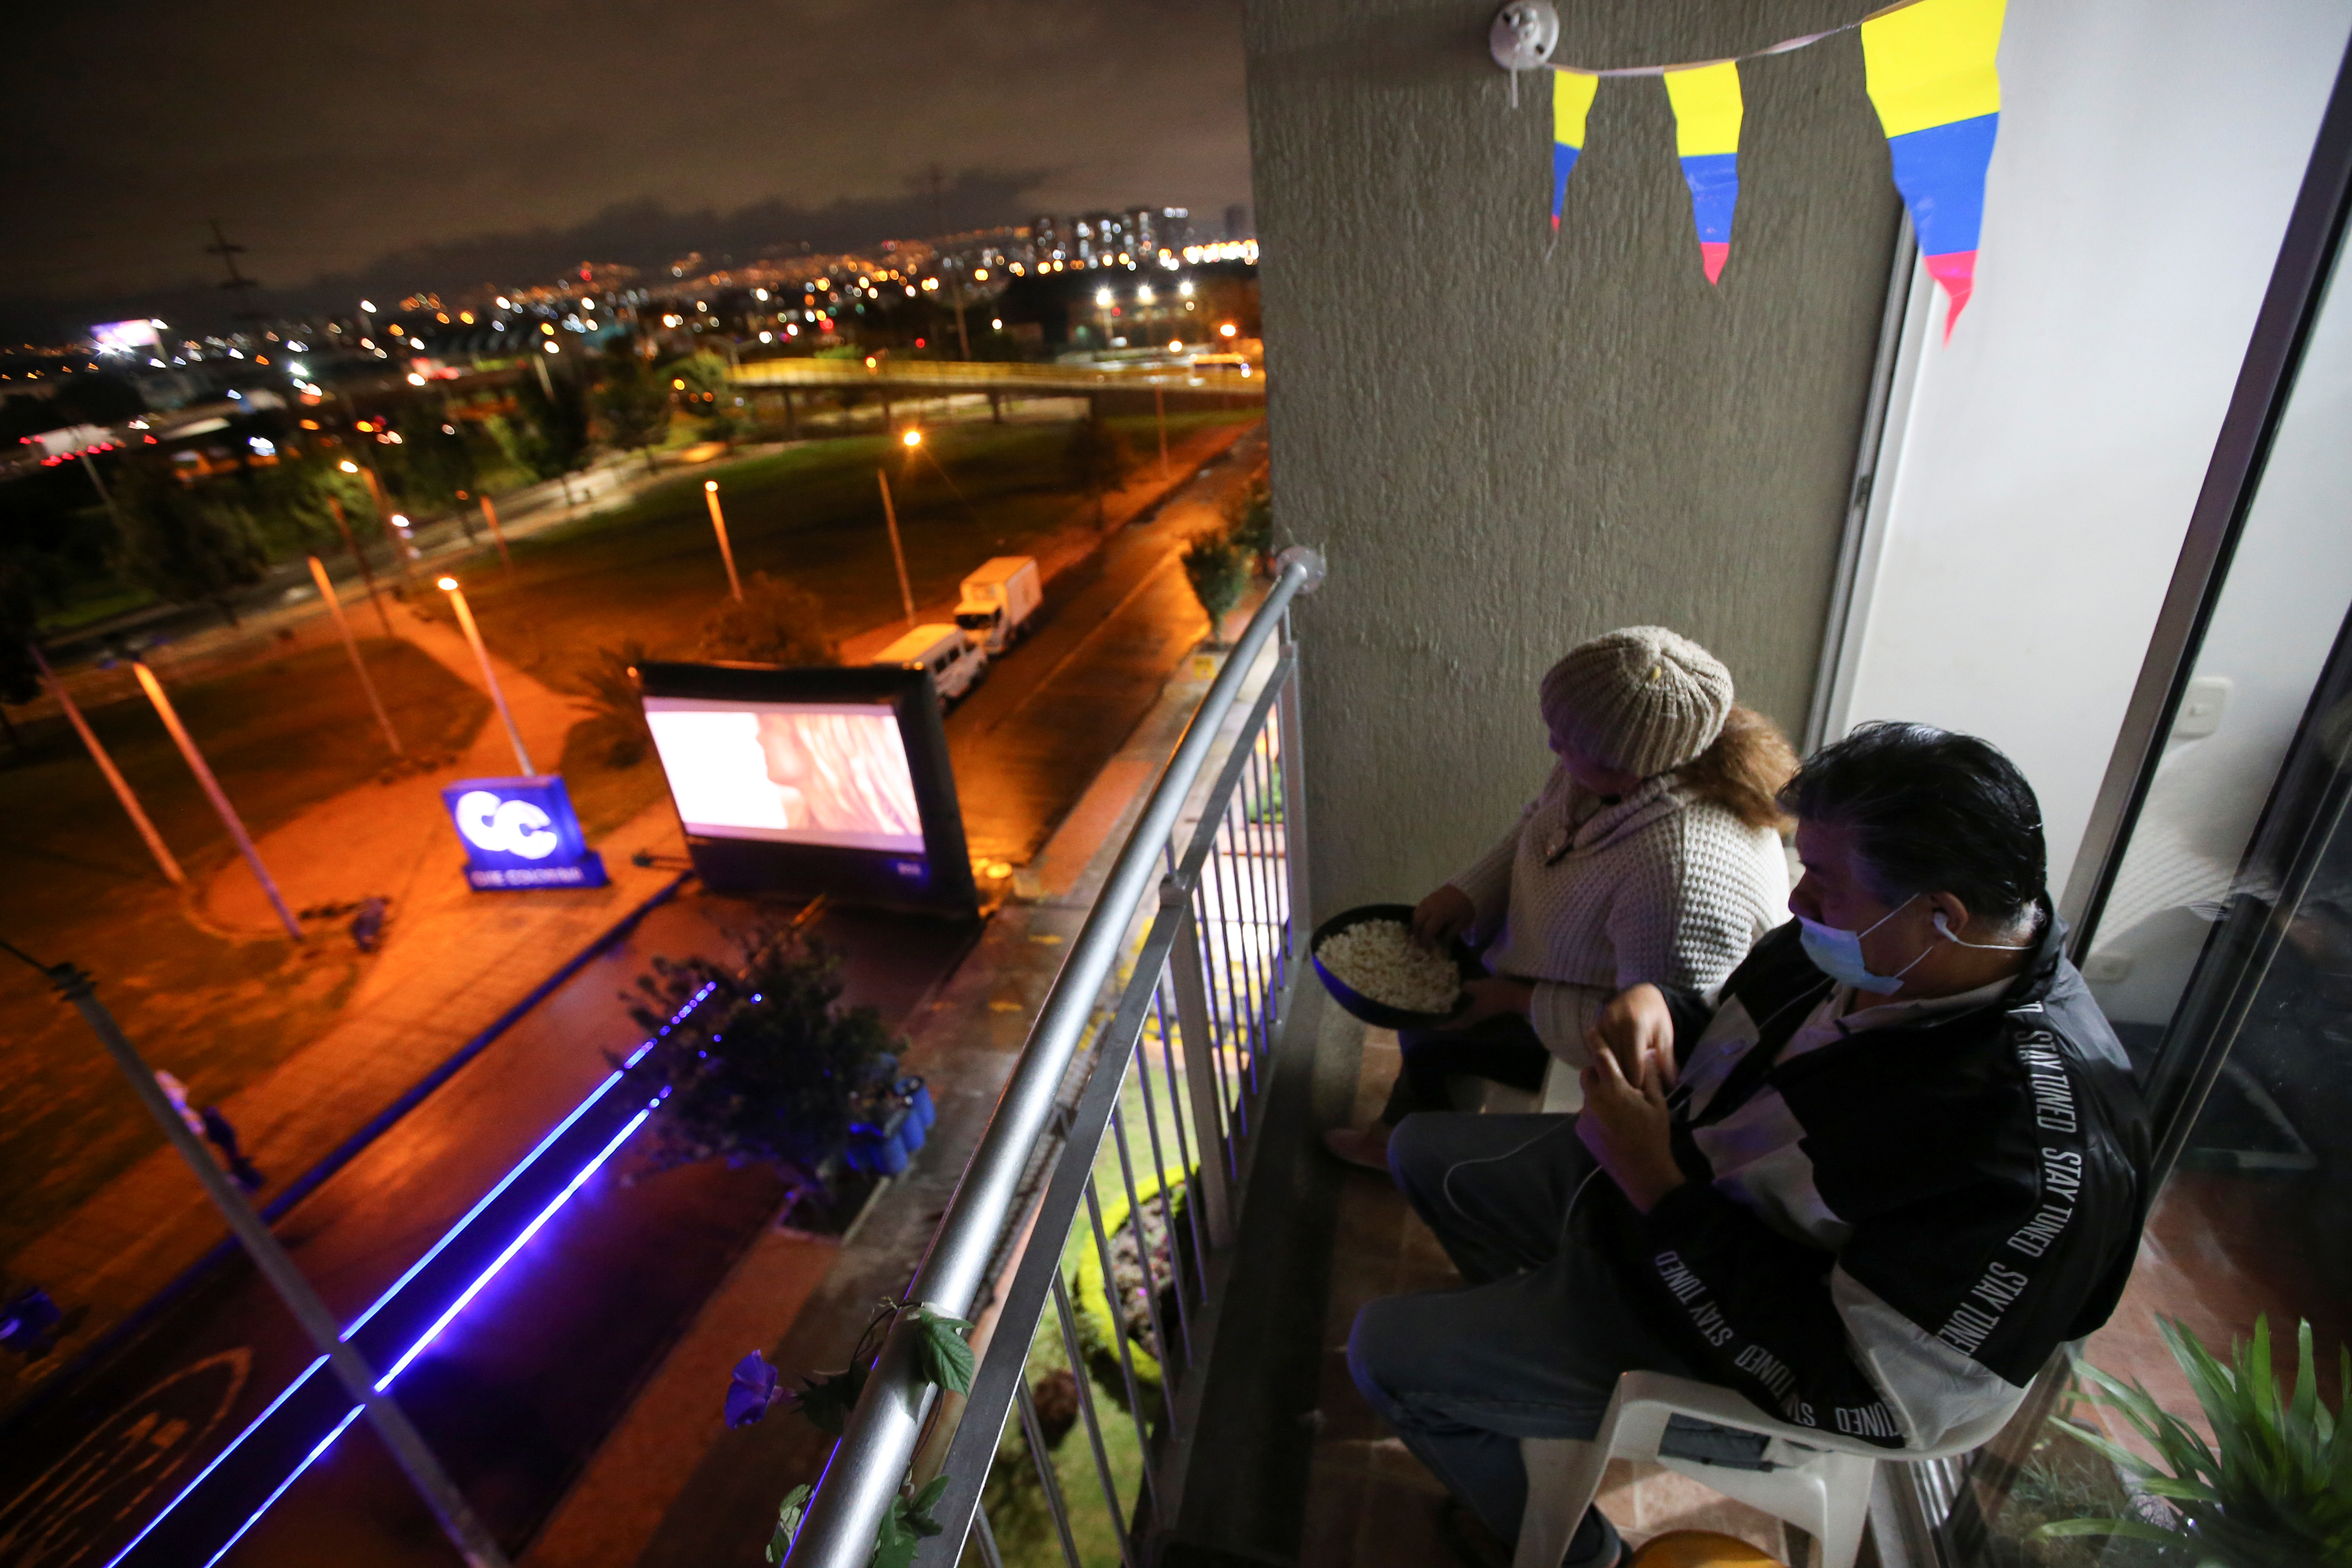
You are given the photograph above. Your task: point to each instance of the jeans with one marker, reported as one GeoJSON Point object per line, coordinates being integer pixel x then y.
{"type": "Point", "coordinates": [1532, 1346]}
{"type": "Point", "coordinates": [1503, 1047]}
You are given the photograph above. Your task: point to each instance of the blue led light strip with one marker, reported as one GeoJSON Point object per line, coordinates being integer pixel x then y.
{"type": "Point", "coordinates": [472, 1290]}
{"type": "Point", "coordinates": [287, 1392]}
{"type": "Point", "coordinates": [512, 1247]}
{"type": "Point", "coordinates": [308, 1459]}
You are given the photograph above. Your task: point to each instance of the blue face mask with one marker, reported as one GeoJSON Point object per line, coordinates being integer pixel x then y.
{"type": "Point", "coordinates": [1838, 954]}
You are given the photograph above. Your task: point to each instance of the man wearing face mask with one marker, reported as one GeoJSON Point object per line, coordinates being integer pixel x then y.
{"type": "Point", "coordinates": [1871, 1184]}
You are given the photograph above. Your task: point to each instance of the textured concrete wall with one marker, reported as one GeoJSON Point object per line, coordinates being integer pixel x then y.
{"type": "Point", "coordinates": [1505, 451]}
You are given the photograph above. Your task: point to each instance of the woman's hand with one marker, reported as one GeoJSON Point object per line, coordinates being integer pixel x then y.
{"type": "Point", "coordinates": [1438, 919]}
{"type": "Point", "coordinates": [1636, 1028]}
{"type": "Point", "coordinates": [1492, 995]}
{"type": "Point", "coordinates": [1625, 1126]}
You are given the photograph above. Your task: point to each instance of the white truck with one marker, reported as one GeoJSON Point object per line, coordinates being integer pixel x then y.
{"type": "Point", "coordinates": [955, 661]}
{"type": "Point", "coordinates": [999, 600]}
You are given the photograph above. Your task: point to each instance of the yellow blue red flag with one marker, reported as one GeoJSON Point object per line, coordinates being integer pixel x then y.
{"type": "Point", "coordinates": [1932, 76]}
{"type": "Point", "coordinates": [1571, 101]}
{"type": "Point", "coordinates": [1708, 112]}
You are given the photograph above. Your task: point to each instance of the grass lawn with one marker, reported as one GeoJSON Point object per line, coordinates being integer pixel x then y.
{"type": "Point", "coordinates": [281, 736]}
{"type": "Point", "coordinates": [812, 513]}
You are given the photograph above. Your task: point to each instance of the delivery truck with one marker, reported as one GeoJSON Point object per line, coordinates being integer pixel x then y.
{"type": "Point", "coordinates": [955, 661]}
{"type": "Point", "coordinates": [999, 601]}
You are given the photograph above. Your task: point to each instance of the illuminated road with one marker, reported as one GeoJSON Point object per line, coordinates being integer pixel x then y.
{"type": "Point", "coordinates": [1027, 742]}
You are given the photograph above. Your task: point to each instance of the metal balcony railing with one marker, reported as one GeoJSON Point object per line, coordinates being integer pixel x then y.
{"type": "Point", "coordinates": [1154, 1120]}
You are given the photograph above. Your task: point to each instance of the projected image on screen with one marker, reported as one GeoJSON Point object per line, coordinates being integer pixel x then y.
{"type": "Point", "coordinates": [797, 772]}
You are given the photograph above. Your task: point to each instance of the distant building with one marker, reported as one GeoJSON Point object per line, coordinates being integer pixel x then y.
{"type": "Point", "coordinates": [1102, 236]}
{"type": "Point", "coordinates": [1237, 222]}
{"type": "Point", "coordinates": [1049, 239]}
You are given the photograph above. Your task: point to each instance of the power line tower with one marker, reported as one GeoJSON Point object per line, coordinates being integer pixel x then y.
{"type": "Point", "coordinates": [955, 281]}
{"type": "Point", "coordinates": [238, 283]}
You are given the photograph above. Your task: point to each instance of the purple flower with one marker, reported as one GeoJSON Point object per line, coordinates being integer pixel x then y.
{"type": "Point", "coordinates": [752, 1390]}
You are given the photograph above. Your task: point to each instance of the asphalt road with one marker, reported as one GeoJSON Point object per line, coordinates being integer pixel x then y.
{"type": "Point", "coordinates": [1027, 742]}
{"type": "Point", "coordinates": [516, 1392]}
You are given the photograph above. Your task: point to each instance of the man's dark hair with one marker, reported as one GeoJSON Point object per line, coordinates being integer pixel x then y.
{"type": "Point", "coordinates": [1931, 812]}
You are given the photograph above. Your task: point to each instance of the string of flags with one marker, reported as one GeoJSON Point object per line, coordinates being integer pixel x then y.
{"type": "Point", "coordinates": [1929, 69]}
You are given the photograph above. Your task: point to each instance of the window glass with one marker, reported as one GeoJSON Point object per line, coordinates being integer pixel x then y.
{"type": "Point", "coordinates": [2223, 956]}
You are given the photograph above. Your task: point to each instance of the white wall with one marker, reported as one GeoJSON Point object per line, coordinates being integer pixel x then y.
{"type": "Point", "coordinates": [2149, 154]}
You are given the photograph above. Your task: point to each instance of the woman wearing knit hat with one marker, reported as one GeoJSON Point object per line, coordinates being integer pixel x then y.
{"type": "Point", "coordinates": [1652, 854]}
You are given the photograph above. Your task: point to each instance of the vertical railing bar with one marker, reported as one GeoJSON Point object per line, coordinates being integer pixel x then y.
{"type": "Point", "coordinates": [1221, 1109]}
{"type": "Point", "coordinates": [1263, 765]}
{"type": "Point", "coordinates": [1244, 877]}
{"type": "Point", "coordinates": [1079, 1374]}
{"type": "Point", "coordinates": [1135, 1212]}
{"type": "Point", "coordinates": [1177, 1113]}
{"type": "Point", "coordinates": [1212, 947]}
{"type": "Point", "coordinates": [1167, 1208]}
{"type": "Point", "coordinates": [989, 1556]}
{"type": "Point", "coordinates": [1293, 806]}
{"type": "Point", "coordinates": [1035, 1434]}
{"type": "Point", "coordinates": [1119, 1338]}
{"type": "Point", "coordinates": [1243, 978]}
{"type": "Point", "coordinates": [1201, 1092]}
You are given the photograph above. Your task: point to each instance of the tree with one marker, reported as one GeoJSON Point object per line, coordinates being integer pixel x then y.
{"type": "Point", "coordinates": [549, 435]}
{"type": "Point", "coordinates": [700, 382]}
{"type": "Point", "coordinates": [183, 546]}
{"type": "Point", "coordinates": [1218, 570]}
{"type": "Point", "coordinates": [634, 403]}
{"type": "Point", "coordinates": [775, 622]}
{"type": "Point", "coordinates": [1098, 460]}
{"type": "Point", "coordinates": [1249, 516]}
{"type": "Point", "coordinates": [767, 1065]}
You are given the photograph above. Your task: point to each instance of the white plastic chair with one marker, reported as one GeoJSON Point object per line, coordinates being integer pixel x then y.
{"type": "Point", "coordinates": [1820, 1482]}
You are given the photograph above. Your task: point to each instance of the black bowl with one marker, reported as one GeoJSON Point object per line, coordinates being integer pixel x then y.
{"type": "Point", "coordinates": [1355, 1002]}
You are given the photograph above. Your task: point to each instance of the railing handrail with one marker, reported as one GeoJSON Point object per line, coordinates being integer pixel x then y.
{"type": "Point", "coordinates": [866, 1465]}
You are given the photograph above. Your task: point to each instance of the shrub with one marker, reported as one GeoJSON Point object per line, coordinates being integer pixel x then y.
{"type": "Point", "coordinates": [606, 690]}
{"type": "Point", "coordinates": [1219, 569]}
{"type": "Point", "coordinates": [775, 622]}
{"type": "Point", "coordinates": [1249, 517]}
{"type": "Point", "coordinates": [769, 1067]}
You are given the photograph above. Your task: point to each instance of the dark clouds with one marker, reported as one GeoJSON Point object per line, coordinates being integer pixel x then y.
{"type": "Point", "coordinates": [441, 145]}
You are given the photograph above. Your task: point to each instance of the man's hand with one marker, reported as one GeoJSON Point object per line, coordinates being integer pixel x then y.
{"type": "Point", "coordinates": [1438, 919]}
{"type": "Point", "coordinates": [1491, 995]}
{"type": "Point", "coordinates": [1635, 1028]}
{"type": "Point", "coordinates": [1625, 1126]}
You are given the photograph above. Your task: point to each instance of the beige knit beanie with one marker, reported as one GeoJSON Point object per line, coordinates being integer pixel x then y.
{"type": "Point", "coordinates": [1641, 698]}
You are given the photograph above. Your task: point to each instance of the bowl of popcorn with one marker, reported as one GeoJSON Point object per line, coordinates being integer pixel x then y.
{"type": "Point", "coordinates": [1372, 966]}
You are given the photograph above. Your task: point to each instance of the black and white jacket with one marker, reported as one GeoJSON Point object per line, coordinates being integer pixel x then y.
{"type": "Point", "coordinates": [1895, 1214]}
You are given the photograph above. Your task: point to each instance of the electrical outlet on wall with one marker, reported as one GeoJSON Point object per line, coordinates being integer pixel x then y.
{"type": "Point", "coordinates": [2201, 707]}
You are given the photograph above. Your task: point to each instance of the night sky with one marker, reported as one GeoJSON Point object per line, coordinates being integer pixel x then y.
{"type": "Point", "coordinates": [388, 148]}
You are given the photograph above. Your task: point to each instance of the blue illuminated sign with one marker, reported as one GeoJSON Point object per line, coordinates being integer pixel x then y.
{"type": "Point", "coordinates": [521, 833]}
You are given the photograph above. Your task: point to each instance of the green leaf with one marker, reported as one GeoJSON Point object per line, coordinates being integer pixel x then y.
{"type": "Point", "coordinates": [920, 1514]}
{"type": "Point", "coordinates": [788, 1522]}
{"type": "Point", "coordinates": [828, 1397]}
{"type": "Point", "coordinates": [941, 1350]}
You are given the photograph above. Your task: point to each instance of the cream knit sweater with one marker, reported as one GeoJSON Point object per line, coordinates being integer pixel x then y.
{"type": "Point", "coordinates": [1586, 899]}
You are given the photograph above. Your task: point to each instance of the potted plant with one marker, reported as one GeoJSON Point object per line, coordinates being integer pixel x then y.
{"type": "Point", "coordinates": [2272, 1488]}
{"type": "Point", "coordinates": [767, 1065]}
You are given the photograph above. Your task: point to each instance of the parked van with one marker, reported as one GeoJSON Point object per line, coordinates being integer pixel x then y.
{"type": "Point", "coordinates": [955, 661]}
{"type": "Point", "coordinates": [998, 601]}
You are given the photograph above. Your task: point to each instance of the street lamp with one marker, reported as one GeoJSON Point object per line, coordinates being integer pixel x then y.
{"type": "Point", "coordinates": [718, 526]}
{"type": "Point", "coordinates": [490, 676]}
{"type": "Point", "coordinates": [913, 438]}
{"type": "Point", "coordinates": [213, 791]}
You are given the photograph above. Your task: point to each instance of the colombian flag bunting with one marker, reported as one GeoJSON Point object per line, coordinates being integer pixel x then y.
{"type": "Point", "coordinates": [1930, 71]}
{"type": "Point", "coordinates": [1572, 101]}
{"type": "Point", "coordinates": [1708, 112]}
